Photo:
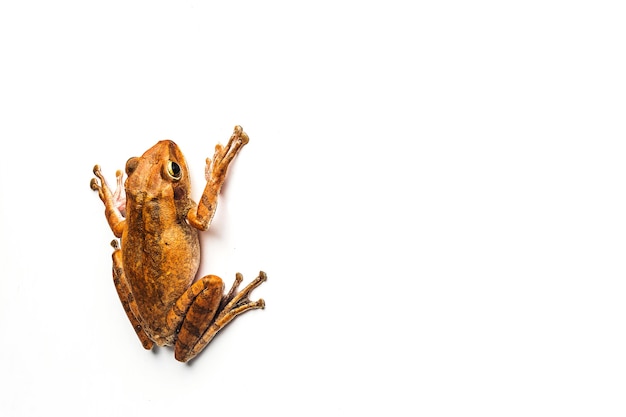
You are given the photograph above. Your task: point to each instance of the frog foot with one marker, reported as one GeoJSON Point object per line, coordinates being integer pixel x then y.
{"type": "Point", "coordinates": [232, 305]}
{"type": "Point", "coordinates": [234, 299]}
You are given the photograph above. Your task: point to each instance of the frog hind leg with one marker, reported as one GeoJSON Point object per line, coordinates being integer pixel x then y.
{"type": "Point", "coordinates": [210, 311]}
{"type": "Point", "coordinates": [126, 297]}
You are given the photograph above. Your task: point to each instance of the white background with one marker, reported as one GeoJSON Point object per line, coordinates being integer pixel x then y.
{"type": "Point", "coordinates": [436, 191]}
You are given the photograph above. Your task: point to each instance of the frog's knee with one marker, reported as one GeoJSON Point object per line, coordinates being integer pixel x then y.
{"type": "Point", "coordinates": [212, 281]}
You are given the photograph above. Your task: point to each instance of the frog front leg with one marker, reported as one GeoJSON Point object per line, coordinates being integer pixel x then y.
{"type": "Point", "coordinates": [203, 310]}
{"type": "Point", "coordinates": [216, 175]}
{"type": "Point", "coordinates": [113, 202]}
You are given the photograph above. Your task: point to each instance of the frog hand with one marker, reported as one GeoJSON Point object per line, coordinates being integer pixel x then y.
{"type": "Point", "coordinates": [102, 188]}
{"type": "Point", "coordinates": [114, 207]}
{"type": "Point", "coordinates": [216, 170]}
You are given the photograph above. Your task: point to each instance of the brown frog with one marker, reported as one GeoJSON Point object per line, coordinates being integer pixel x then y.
{"type": "Point", "coordinates": [154, 270]}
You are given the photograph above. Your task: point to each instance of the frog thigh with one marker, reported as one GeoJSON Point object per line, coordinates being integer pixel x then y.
{"type": "Point", "coordinates": [126, 297]}
{"type": "Point", "coordinates": [196, 308]}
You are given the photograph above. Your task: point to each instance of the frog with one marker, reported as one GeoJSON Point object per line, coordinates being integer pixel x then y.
{"type": "Point", "coordinates": [156, 250]}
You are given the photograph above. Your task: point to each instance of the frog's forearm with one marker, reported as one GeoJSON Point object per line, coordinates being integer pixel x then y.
{"type": "Point", "coordinates": [202, 216]}
{"type": "Point", "coordinates": [115, 220]}
{"type": "Point", "coordinates": [111, 212]}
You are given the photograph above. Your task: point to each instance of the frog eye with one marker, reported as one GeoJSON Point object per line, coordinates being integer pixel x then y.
{"type": "Point", "coordinates": [173, 170]}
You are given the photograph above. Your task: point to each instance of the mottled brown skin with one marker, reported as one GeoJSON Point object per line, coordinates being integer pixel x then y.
{"type": "Point", "coordinates": [155, 267]}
